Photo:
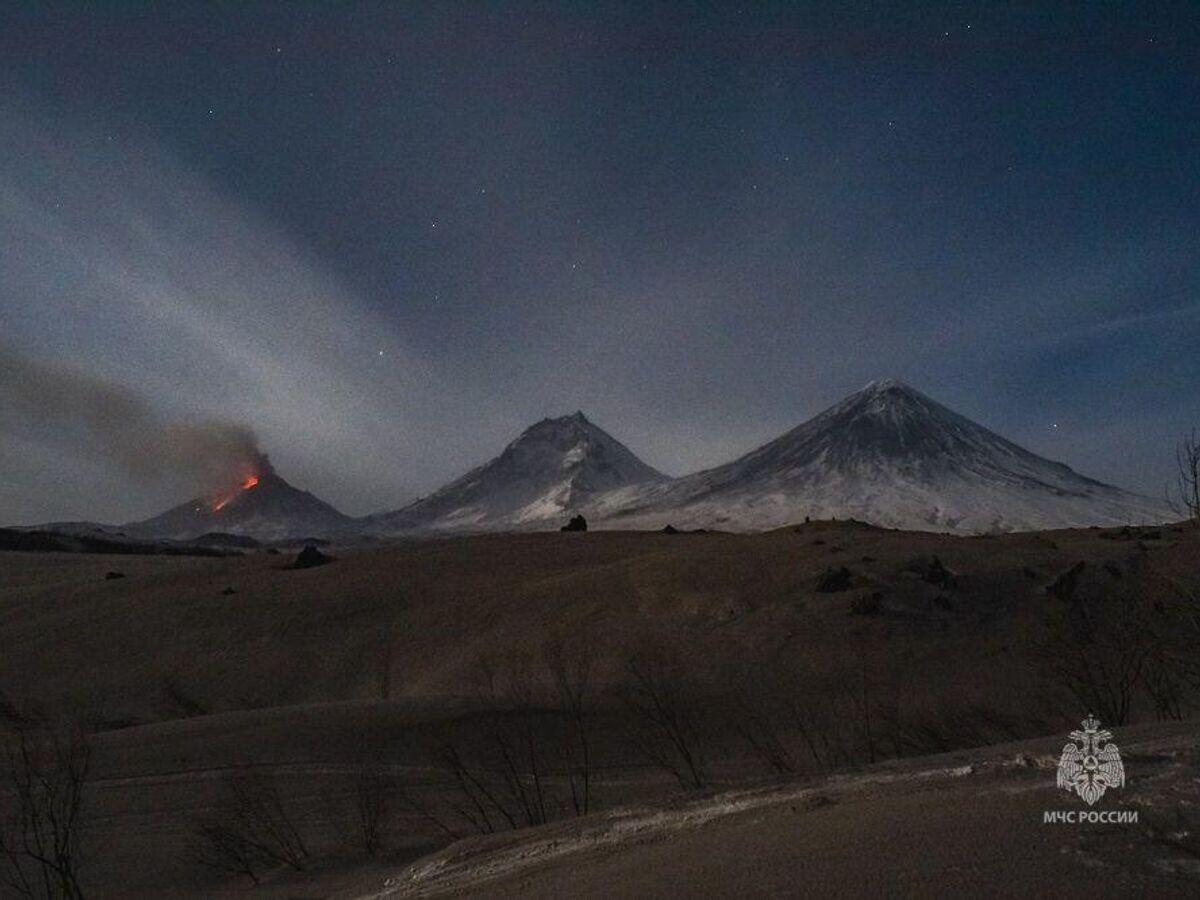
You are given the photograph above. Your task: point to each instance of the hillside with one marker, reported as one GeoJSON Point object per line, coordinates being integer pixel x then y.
{"type": "Point", "coordinates": [556, 467]}
{"type": "Point", "coordinates": [262, 505]}
{"type": "Point", "coordinates": [962, 824]}
{"type": "Point", "coordinates": [200, 671]}
{"type": "Point", "coordinates": [891, 456]}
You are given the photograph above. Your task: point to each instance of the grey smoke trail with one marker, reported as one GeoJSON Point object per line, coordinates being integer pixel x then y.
{"type": "Point", "coordinates": [117, 422]}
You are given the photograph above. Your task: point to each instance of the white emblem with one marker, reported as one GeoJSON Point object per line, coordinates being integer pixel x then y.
{"type": "Point", "coordinates": [1092, 765]}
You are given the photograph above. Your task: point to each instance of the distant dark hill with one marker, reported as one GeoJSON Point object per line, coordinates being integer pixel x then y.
{"type": "Point", "coordinates": [36, 540]}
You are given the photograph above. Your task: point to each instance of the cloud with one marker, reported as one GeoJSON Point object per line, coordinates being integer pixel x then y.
{"type": "Point", "coordinates": [173, 303]}
{"type": "Point", "coordinates": [116, 422]}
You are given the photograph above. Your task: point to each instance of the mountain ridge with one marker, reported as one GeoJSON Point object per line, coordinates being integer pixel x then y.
{"type": "Point", "coordinates": [886, 454]}
{"type": "Point", "coordinates": [263, 506]}
{"type": "Point", "coordinates": [555, 467]}
{"type": "Point", "coordinates": [890, 455]}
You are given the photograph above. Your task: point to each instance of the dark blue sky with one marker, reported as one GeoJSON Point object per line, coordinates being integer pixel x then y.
{"type": "Point", "coordinates": [389, 236]}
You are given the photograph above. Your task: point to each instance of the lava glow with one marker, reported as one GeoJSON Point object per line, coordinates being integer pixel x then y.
{"type": "Point", "coordinates": [250, 483]}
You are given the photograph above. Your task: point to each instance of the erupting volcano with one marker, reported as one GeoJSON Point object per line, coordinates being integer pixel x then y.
{"type": "Point", "coordinates": [248, 484]}
{"type": "Point", "coordinates": [262, 505]}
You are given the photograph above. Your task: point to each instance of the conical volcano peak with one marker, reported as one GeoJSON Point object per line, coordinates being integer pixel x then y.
{"type": "Point", "coordinates": [890, 455]}
{"type": "Point", "coordinates": [261, 504]}
{"type": "Point", "coordinates": [889, 403]}
{"type": "Point", "coordinates": [887, 390]}
{"type": "Point", "coordinates": [554, 468]}
{"type": "Point", "coordinates": [575, 420]}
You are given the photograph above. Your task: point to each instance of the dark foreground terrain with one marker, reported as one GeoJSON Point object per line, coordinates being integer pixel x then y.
{"type": "Point", "coordinates": [618, 713]}
{"type": "Point", "coordinates": [963, 824]}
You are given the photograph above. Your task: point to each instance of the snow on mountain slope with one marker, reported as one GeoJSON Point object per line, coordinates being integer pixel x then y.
{"type": "Point", "coordinates": [555, 468]}
{"type": "Point", "coordinates": [263, 506]}
{"type": "Point", "coordinates": [891, 456]}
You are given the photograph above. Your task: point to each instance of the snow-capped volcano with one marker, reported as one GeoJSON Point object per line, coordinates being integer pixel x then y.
{"type": "Point", "coordinates": [556, 467]}
{"type": "Point", "coordinates": [261, 505]}
{"type": "Point", "coordinates": [891, 456]}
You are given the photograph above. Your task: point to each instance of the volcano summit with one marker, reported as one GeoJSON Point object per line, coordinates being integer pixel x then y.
{"type": "Point", "coordinates": [556, 466]}
{"type": "Point", "coordinates": [262, 505]}
{"type": "Point", "coordinates": [891, 456]}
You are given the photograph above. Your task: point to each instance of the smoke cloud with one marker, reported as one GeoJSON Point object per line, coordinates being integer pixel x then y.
{"type": "Point", "coordinates": [125, 262]}
{"type": "Point", "coordinates": [117, 422]}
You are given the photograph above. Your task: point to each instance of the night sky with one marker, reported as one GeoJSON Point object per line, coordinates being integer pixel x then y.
{"type": "Point", "coordinates": [388, 237]}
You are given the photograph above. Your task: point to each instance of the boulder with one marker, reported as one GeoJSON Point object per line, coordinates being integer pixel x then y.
{"type": "Point", "coordinates": [310, 557]}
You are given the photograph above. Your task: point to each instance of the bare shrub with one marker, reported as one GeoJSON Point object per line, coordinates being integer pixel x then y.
{"type": "Point", "coordinates": [1098, 651]}
{"type": "Point", "coordinates": [1186, 500]}
{"type": "Point", "coordinates": [759, 723]}
{"type": "Point", "coordinates": [754, 708]}
{"type": "Point", "coordinates": [817, 721]}
{"type": "Point", "coordinates": [527, 758]}
{"type": "Point", "coordinates": [251, 831]}
{"type": "Point", "coordinates": [489, 788]}
{"type": "Point", "coordinates": [41, 812]}
{"type": "Point", "coordinates": [226, 849]}
{"type": "Point", "coordinates": [570, 669]}
{"type": "Point", "coordinates": [1110, 652]}
{"type": "Point", "coordinates": [414, 801]}
{"type": "Point", "coordinates": [667, 722]}
{"type": "Point", "coordinates": [484, 805]}
{"type": "Point", "coordinates": [374, 796]}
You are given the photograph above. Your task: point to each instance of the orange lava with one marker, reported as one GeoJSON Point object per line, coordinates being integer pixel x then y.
{"type": "Point", "coordinates": [250, 483]}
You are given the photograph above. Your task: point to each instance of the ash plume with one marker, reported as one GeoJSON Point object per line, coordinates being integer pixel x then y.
{"type": "Point", "coordinates": [58, 403]}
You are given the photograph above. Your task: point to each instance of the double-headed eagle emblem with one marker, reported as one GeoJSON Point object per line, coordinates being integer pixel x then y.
{"type": "Point", "coordinates": [1090, 763]}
